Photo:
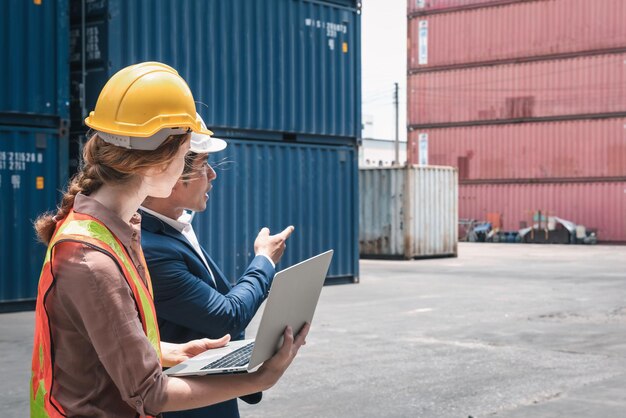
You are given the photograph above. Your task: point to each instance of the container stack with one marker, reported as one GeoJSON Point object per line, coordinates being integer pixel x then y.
{"type": "Point", "coordinates": [527, 99]}
{"type": "Point", "coordinates": [279, 80]}
{"type": "Point", "coordinates": [34, 113]}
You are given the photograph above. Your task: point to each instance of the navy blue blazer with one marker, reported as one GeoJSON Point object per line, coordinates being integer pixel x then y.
{"type": "Point", "coordinates": [189, 306]}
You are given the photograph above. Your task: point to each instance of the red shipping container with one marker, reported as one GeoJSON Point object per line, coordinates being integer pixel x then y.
{"type": "Point", "coordinates": [567, 149]}
{"type": "Point", "coordinates": [525, 29]}
{"type": "Point", "coordinates": [584, 85]}
{"type": "Point", "coordinates": [600, 206]}
{"type": "Point", "coordinates": [432, 5]}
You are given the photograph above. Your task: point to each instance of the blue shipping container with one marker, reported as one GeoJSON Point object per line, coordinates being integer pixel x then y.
{"type": "Point", "coordinates": [285, 66]}
{"type": "Point", "coordinates": [34, 75]}
{"type": "Point", "coordinates": [33, 166]}
{"type": "Point", "coordinates": [274, 184]}
{"type": "Point", "coordinates": [34, 114]}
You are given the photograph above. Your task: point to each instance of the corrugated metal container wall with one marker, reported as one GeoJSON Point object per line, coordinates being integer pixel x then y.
{"type": "Point", "coordinates": [345, 3]}
{"type": "Point", "coordinates": [585, 85]}
{"type": "Point", "coordinates": [291, 66]}
{"type": "Point", "coordinates": [34, 75]}
{"type": "Point", "coordinates": [34, 109]}
{"type": "Point", "coordinates": [29, 179]}
{"type": "Point", "coordinates": [408, 212]}
{"type": "Point", "coordinates": [527, 29]}
{"type": "Point", "coordinates": [544, 150]}
{"type": "Point", "coordinates": [381, 211]}
{"type": "Point", "coordinates": [424, 6]}
{"type": "Point", "coordinates": [274, 184]}
{"type": "Point", "coordinates": [432, 211]}
{"type": "Point", "coordinates": [600, 206]}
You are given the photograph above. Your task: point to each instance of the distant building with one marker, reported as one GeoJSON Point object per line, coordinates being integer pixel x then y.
{"type": "Point", "coordinates": [380, 153]}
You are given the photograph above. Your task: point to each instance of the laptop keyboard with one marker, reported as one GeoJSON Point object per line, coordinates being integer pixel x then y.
{"type": "Point", "coordinates": [237, 358]}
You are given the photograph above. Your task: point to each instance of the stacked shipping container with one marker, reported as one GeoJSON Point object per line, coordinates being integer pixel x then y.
{"type": "Point", "coordinates": [280, 76]}
{"type": "Point", "coordinates": [421, 6]}
{"type": "Point", "coordinates": [567, 150]}
{"type": "Point", "coordinates": [279, 66]}
{"type": "Point", "coordinates": [34, 110]}
{"type": "Point", "coordinates": [597, 205]}
{"type": "Point", "coordinates": [497, 31]}
{"type": "Point", "coordinates": [274, 184]}
{"type": "Point", "coordinates": [550, 89]}
{"type": "Point", "coordinates": [526, 98]}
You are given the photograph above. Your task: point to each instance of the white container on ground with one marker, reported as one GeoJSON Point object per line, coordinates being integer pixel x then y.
{"type": "Point", "coordinates": [408, 212]}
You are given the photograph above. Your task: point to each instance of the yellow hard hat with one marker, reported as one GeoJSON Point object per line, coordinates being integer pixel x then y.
{"type": "Point", "coordinates": [143, 104]}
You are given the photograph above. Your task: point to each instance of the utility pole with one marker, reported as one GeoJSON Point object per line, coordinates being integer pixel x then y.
{"type": "Point", "coordinates": [396, 103]}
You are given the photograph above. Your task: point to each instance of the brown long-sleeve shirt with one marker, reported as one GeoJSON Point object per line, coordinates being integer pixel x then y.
{"type": "Point", "coordinates": [104, 364]}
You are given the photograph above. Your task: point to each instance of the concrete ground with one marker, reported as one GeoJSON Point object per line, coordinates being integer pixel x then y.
{"type": "Point", "coordinates": [504, 330]}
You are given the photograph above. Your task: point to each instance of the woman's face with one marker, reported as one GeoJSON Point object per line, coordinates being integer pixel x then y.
{"type": "Point", "coordinates": [159, 182]}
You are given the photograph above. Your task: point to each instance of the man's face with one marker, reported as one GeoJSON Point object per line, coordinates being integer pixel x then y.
{"type": "Point", "coordinates": [194, 192]}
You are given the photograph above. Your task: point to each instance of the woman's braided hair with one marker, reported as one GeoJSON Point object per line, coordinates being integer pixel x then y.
{"type": "Point", "coordinates": [103, 163]}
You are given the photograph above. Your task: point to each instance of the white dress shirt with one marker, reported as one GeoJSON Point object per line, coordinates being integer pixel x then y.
{"type": "Point", "coordinates": [183, 225]}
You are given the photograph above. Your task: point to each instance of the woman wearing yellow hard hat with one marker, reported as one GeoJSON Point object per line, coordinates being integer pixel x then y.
{"type": "Point", "coordinates": [97, 349]}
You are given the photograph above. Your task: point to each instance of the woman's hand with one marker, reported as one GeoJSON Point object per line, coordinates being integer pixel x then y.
{"type": "Point", "coordinates": [177, 353]}
{"type": "Point", "coordinates": [197, 391]}
{"type": "Point", "coordinates": [273, 369]}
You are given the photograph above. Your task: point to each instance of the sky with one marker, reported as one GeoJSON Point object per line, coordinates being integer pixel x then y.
{"type": "Point", "coordinates": [383, 48]}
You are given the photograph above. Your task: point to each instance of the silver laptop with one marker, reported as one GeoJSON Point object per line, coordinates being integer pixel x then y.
{"type": "Point", "coordinates": [292, 301]}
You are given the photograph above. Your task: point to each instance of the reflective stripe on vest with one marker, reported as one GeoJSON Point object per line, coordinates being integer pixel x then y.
{"type": "Point", "coordinates": [87, 230]}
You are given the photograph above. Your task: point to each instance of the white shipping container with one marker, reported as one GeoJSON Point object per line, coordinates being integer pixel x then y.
{"type": "Point", "coordinates": [408, 212]}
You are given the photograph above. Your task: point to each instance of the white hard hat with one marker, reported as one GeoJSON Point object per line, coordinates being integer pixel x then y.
{"type": "Point", "coordinates": [202, 144]}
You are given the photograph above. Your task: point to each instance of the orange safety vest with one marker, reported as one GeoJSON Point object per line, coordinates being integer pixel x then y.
{"type": "Point", "coordinates": [85, 229]}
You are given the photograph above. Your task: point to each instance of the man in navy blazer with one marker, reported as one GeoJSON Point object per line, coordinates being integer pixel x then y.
{"type": "Point", "coordinates": [193, 298]}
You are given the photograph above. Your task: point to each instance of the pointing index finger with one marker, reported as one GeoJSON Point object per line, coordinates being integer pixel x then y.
{"type": "Point", "coordinates": [287, 232]}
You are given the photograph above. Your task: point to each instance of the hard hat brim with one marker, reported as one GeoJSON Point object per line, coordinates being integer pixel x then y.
{"type": "Point", "coordinates": [143, 132]}
{"type": "Point", "coordinates": [202, 144]}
